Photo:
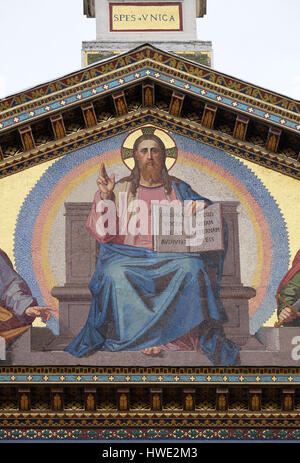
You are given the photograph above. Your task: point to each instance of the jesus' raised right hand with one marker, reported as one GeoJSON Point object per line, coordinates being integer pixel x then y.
{"type": "Point", "coordinates": [105, 183]}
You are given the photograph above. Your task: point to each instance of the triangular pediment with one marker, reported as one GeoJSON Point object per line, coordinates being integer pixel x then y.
{"type": "Point", "coordinates": [148, 85]}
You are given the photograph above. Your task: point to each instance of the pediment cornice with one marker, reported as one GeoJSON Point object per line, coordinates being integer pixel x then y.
{"type": "Point", "coordinates": [146, 63]}
{"type": "Point", "coordinates": [131, 121]}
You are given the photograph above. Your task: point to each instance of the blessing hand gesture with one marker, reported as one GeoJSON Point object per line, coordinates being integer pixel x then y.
{"type": "Point", "coordinates": [38, 311]}
{"type": "Point", "coordinates": [105, 183]}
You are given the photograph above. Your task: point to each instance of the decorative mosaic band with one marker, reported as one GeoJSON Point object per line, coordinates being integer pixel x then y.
{"type": "Point", "coordinates": [195, 434]}
{"type": "Point", "coordinates": [162, 58]}
{"type": "Point", "coordinates": [163, 77]}
{"type": "Point", "coordinates": [150, 379]}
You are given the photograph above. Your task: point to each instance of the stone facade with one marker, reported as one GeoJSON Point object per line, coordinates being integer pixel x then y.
{"type": "Point", "coordinates": [110, 42]}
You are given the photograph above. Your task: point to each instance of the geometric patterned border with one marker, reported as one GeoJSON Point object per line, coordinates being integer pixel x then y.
{"type": "Point", "coordinates": [231, 379]}
{"type": "Point", "coordinates": [156, 375]}
{"type": "Point", "coordinates": [138, 435]}
{"type": "Point", "coordinates": [145, 70]}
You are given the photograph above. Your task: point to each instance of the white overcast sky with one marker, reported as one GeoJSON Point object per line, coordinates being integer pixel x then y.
{"type": "Point", "coordinates": [255, 40]}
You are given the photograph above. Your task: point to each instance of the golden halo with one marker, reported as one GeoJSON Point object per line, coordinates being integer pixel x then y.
{"type": "Point", "coordinates": [127, 146]}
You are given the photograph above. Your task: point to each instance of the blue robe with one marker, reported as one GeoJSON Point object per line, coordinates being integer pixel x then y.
{"type": "Point", "coordinates": [143, 298]}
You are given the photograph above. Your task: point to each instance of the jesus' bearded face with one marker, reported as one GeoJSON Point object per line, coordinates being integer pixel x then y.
{"type": "Point", "coordinates": [150, 160]}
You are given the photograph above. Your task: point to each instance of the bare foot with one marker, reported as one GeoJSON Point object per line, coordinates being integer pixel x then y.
{"type": "Point", "coordinates": [151, 350]}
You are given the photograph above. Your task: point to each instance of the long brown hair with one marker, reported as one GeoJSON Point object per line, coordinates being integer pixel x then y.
{"type": "Point", "coordinates": [134, 177]}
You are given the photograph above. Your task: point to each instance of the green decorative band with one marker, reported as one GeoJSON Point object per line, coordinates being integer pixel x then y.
{"type": "Point", "coordinates": [169, 433]}
{"type": "Point", "coordinates": [148, 130]}
{"type": "Point", "coordinates": [171, 153]}
{"type": "Point", "coordinates": [127, 153]}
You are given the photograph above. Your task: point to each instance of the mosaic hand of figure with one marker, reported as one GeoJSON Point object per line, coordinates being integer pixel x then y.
{"type": "Point", "coordinates": [195, 206]}
{"type": "Point", "coordinates": [105, 183]}
{"type": "Point", "coordinates": [37, 311]}
{"type": "Point", "coordinates": [287, 315]}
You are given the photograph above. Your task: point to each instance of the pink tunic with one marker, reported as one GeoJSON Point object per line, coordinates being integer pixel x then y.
{"type": "Point", "coordinates": [146, 194]}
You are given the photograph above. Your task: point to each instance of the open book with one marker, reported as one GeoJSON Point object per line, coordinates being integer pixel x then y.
{"type": "Point", "coordinates": [175, 231]}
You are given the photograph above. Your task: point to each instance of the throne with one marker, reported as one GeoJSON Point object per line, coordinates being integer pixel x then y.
{"type": "Point", "coordinates": [81, 255]}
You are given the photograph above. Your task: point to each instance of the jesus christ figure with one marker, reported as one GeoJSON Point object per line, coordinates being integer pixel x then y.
{"type": "Point", "coordinates": [144, 300]}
